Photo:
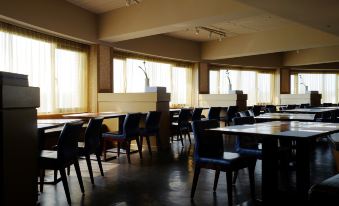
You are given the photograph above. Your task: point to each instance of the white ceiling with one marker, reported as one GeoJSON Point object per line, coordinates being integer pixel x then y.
{"type": "Point", "coordinates": [235, 27]}
{"type": "Point", "coordinates": [99, 6]}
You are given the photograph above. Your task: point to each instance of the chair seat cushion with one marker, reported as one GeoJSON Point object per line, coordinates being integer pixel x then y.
{"type": "Point", "coordinates": [49, 159]}
{"type": "Point", "coordinates": [328, 191]}
{"type": "Point", "coordinates": [227, 160]}
{"type": "Point", "coordinates": [115, 136]}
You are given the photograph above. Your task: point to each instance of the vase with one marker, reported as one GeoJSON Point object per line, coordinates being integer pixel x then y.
{"type": "Point", "coordinates": [306, 89]}
{"type": "Point", "coordinates": [230, 87]}
{"type": "Point", "coordinates": [146, 82]}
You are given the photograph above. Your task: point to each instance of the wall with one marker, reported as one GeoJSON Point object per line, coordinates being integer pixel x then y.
{"type": "Point", "coordinates": [163, 46]}
{"type": "Point", "coordinates": [52, 16]}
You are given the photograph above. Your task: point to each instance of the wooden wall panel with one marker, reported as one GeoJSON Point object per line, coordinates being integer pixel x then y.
{"type": "Point", "coordinates": [105, 69]}
{"type": "Point", "coordinates": [204, 78]}
{"type": "Point", "coordinates": [285, 81]}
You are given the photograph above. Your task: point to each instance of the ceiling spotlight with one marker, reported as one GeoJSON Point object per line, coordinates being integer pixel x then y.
{"type": "Point", "coordinates": [220, 33]}
{"type": "Point", "coordinates": [130, 2]}
{"type": "Point", "coordinates": [196, 30]}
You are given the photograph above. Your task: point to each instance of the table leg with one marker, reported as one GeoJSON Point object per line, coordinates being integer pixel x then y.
{"type": "Point", "coordinates": [269, 170]}
{"type": "Point", "coordinates": [303, 167]}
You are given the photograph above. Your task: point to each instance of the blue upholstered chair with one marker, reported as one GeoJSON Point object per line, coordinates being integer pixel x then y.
{"type": "Point", "coordinates": [65, 155]}
{"type": "Point", "coordinates": [182, 126]}
{"type": "Point", "coordinates": [130, 131]}
{"type": "Point", "coordinates": [209, 154]}
{"type": "Point", "coordinates": [92, 144]}
{"type": "Point", "coordinates": [214, 113]}
{"type": "Point", "coordinates": [152, 125]}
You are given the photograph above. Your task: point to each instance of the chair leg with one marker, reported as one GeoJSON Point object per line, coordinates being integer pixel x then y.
{"type": "Point", "coordinates": [42, 179]}
{"type": "Point", "coordinates": [89, 165]}
{"type": "Point", "coordinates": [55, 175]}
{"type": "Point", "coordinates": [195, 180]}
{"type": "Point", "coordinates": [100, 164]}
{"type": "Point", "coordinates": [157, 137]}
{"type": "Point", "coordinates": [139, 147]}
{"type": "Point", "coordinates": [149, 145]}
{"type": "Point", "coordinates": [77, 170]}
{"type": "Point", "coordinates": [104, 149]}
{"type": "Point", "coordinates": [251, 169]}
{"type": "Point", "coordinates": [182, 141]}
{"type": "Point", "coordinates": [189, 137]}
{"type": "Point", "coordinates": [118, 149]}
{"type": "Point", "coordinates": [229, 187]}
{"type": "Point", "coordinates": [128, 145]}
{"type": "Point", "coordinates": [216, 178]}
{"type": "Point", "coordinates": [235, 177]}
{"type": "Point", "coordinates": [65, 184]}
{"type": "Point", "coordinates": [68, 170]}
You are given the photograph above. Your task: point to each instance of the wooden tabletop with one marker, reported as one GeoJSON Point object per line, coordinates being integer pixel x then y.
{"type": "Point", "coordinates": [286, 117]}
{"type": "Point", "coordinates": [86, 116]}
{"type": "Point", "coordinates": [293, 129]}
{"type": "Point", "coordinates": [44, 124]}
{"type": "Point", "coordinates": [310, 110]}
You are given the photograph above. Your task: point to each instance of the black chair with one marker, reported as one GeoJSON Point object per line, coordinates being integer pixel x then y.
{"type": "Point", "coordinates": [231, 113]}
{"type": "Point", "coordinates": [182, 126]}
{"type": "Point", "coordinates": [130, 131]}
{"type": "Point", "coordinates": [65, 155]}
{"type": "Point", "coordinates": [214, 113]}
{"type": "Point", "coordinates": [270, 108]}
{"type": "Point", "coordinates": [209, 154]}
{"type": "Point", "coordinates": [327, 104]}
{"type": "Point", "coordinates": [92, 144]}
{"type": "Point", "coordinates": [196, 115]}
{"type": "Point", "coordinates": [243, 114]}
{"type": "Point", "coordinates": [325, 193]}
{"type": "Point", "coordinates": [305, 105]}
{"type": "Point", "coordinates": [152, 125]}
{"type": "Point", "coordinates": [256, 110]}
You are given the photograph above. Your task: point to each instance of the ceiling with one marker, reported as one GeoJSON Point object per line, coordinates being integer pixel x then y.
{"type": "Point", "coordinates": [236, 27]}
{"type": "Point", "coordinates": [99, 6]}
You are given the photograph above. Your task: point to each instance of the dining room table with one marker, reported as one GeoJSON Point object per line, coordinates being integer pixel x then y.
{"type": "Point", "coordinates": [266, 117]}
{"type": "Point", "coordinates": [303, 133]}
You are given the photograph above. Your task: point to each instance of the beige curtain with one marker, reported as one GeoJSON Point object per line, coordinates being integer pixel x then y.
{"type": "Point", "coordinates": [58, 67]}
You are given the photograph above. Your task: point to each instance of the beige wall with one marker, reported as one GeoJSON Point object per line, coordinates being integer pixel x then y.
{"type": "Point", "coordinates": [52, 16]}
{"type": "Point", "coordinates": [262, 61]}
{"type": "Point", "coordinates": [311, 56]}
{"type": "Point", "coordinates": [163, 46]}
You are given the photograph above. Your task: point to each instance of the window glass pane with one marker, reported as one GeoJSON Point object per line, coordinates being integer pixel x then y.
{"type": "Point", "coordinates": [60, 74]}
{"type": "Point", "coordinates": [292, 84]}
{"type": "Point", "coordinates": [214, 82]}
{"type": "Point", "coordinates": [118, 76]}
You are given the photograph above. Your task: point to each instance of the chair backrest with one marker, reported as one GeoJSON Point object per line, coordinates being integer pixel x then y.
{"type": "Point", "coordinates": [305, 106]}
{"type": "Point", "coordinates": [207, 144]}
{"type": "Point", "coordinates": [244, 114]}
{"type": "Point", "coordinates": [251, 113]}
{"type": "Point", "coordinates": [68, 141]}
{"type": "Point", "coordinates": [152, 122]}
{"type": "Point", "coordinates": [131, 125]}
{"type": "Point", "coordinates": [231, 112]}
{"type": "Point", "coordinates": [184, 116]}
{"type": "Point", "coordinates": [93, 135]}
{"type": "Point", "coordinates": [291, 106]}
{"type": "Point", "coordinates": [245, 141]}
{"type": "Point", "coordinates": [327, 105]}
{"type": "Point", "coordinates": [270, 109]}
{"type": "Point", "coordinates": [196, 115]}
{"type": "Point", "coordinates": [256, 110]}
{"type": "Point", "coordinates": [214, 113]}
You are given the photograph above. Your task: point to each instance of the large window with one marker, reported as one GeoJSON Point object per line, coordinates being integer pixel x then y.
{"type": "Point", "coordinates": [259, 86]}
{"type": "Point", "coordinates": [325, 83]}
{"type": "Point", "coordinates": [60, 72]}
{"type": "Point", "coordinates": [128, 77]}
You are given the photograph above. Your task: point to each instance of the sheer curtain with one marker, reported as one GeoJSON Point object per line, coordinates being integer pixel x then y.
{"type": "Point", "coordinates": [258, 86]}
{"type": "Point", "coordinates": [128, 77]}
{"type": "Point", "coordinates": [326, 84]}
{"type": "Point", "coordinates": [61, 74]}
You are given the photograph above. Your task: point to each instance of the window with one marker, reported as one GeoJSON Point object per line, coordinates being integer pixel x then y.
{"type": "Point", "coordinates": [258, 86]}
{"type": "Point", "coordinates": [325, 83]}
{"type": "Point", "coordinates": [129, 78]}
{"type": "Point", "coordinates": [60, 73]}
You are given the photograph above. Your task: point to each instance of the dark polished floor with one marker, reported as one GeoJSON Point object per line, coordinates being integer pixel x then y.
{"type": "Point", "coordinates": [165, 179]}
